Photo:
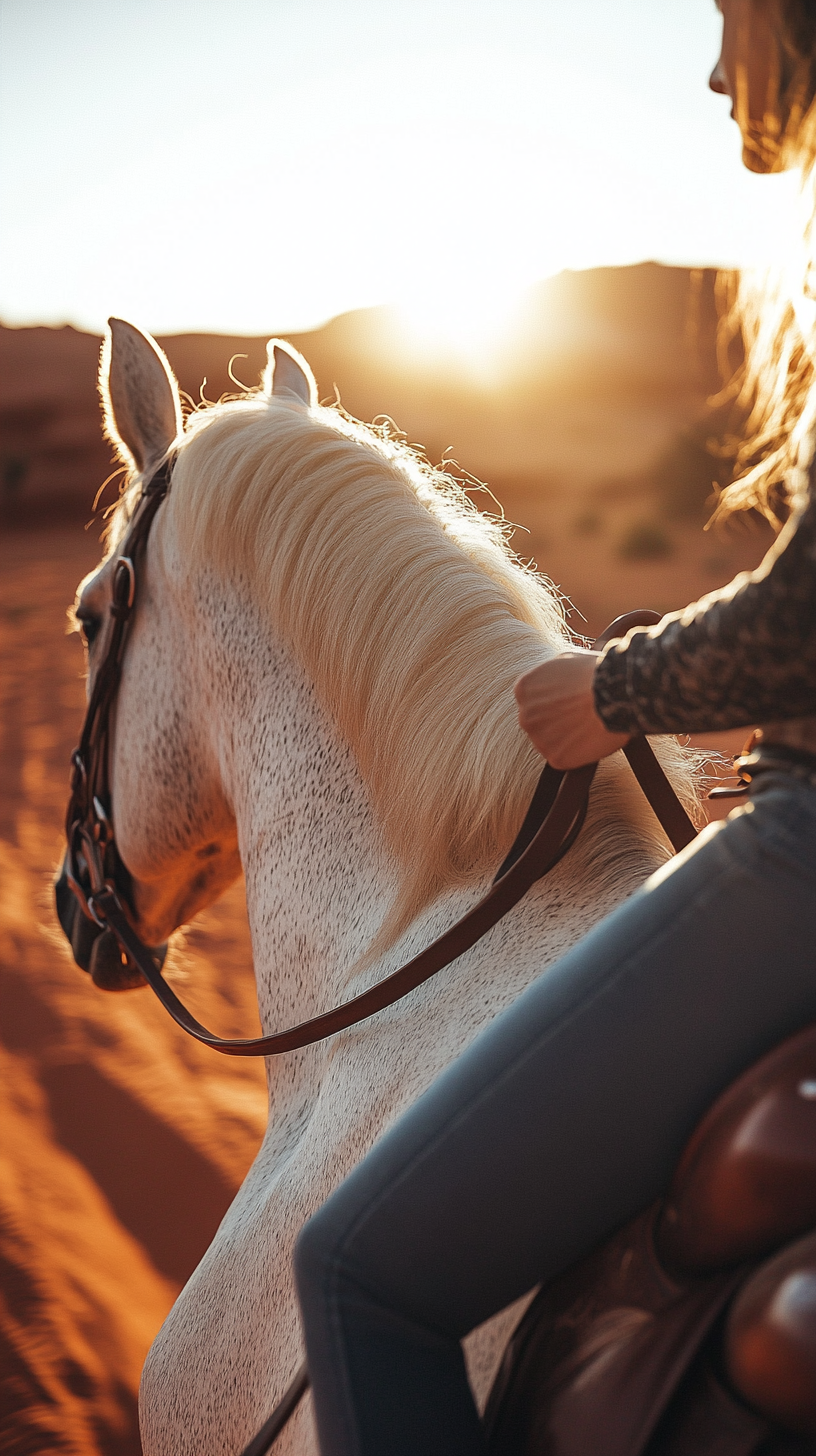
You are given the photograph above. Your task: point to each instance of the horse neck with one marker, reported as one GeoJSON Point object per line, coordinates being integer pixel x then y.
{"type": "Point", "coordinates": [319, 878]}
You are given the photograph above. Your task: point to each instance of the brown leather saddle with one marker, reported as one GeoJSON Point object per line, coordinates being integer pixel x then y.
{"type": "Point", "coordinates": [692, 1331]}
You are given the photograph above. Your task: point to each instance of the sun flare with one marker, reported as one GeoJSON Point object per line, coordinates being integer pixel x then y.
{"type": "Point", "coordinates": [468, 325]}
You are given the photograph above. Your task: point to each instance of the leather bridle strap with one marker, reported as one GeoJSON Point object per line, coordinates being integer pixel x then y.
{"type": "Point", "coordinates": [659, 792]}
{"type": "Point", "coordinates": [88, 830]}
{"type": "Point", "coordinates": [281, 1415]}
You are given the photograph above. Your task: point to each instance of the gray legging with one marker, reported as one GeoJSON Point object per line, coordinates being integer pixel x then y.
{"type": "Point", "coordinates": [564, 1117]}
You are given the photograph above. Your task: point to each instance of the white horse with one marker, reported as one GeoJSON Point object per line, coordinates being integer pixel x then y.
{"type": "Point", "coordinates": [318, 689]}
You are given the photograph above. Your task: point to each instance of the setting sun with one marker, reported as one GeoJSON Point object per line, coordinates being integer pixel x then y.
{"type": "Point", "coordinates": [466, 324]}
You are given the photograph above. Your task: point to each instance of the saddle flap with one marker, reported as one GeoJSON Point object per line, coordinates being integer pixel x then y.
{"type": "Point", "coordinates": [600, 1352]}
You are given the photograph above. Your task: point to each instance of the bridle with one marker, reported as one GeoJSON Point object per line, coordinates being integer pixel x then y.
{"type": "Point", "coordinates": [93, 892]}
{"type": "Point", "coordinates": [93, 867]}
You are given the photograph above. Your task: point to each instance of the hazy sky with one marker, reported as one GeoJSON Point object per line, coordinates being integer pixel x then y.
{"type": "Point", "coordinates": [265, 164]}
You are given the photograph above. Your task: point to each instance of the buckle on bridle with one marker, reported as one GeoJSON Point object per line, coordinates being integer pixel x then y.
{"type": "Point", "coordinates": [84, 869]}
{"type": "Point", "coordinates": [743, 763]}
{"type": "Point", "coordinates": [102, 829]}
{"type": "Point", "coordinates": [733, 791]}
{"type": "Point", "coordinates": [79, 895]}
{"type": "Point", "coordinates": [98, 915]}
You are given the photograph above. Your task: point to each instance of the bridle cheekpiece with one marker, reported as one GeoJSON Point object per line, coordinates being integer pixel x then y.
{"type": "Point", "coordinates": [93, 869]}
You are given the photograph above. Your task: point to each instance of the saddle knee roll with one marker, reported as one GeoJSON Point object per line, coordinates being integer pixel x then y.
{"type": "Point", "coordinates": [770, 1342]}
{"type": "Point", "coordinates": [746, 1183]}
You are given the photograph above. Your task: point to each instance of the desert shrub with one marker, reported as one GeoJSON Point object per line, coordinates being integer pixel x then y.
{"type": "Point", "coordinates": [686, 477]}
{"type": "Point", "coordinates": [645, 541]}
{"type": "Point", "coordinates": [589, 523]}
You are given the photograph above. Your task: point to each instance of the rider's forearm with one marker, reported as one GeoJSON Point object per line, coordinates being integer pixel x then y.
{"type": "Point", "coordinates": [742, 655]}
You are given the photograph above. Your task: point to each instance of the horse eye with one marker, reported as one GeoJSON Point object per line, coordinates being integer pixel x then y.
{"type": "Point", "coordinates": [89, 627]}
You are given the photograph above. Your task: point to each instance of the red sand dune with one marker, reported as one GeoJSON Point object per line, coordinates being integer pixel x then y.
{"type": "Point", "coordinates": [121, 1146]}
{"type": "Point", "coordinates": [122, 1141]}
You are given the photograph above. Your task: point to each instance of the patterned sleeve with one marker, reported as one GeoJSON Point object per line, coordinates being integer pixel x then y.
{"type": "Point", "coordinates": [742, 655]}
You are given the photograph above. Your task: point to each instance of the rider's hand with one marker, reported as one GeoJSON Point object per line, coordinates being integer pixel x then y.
{"type": "Point", "coordinates": [557, 711]}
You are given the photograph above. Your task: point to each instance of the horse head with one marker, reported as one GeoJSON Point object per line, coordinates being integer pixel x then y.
{"type": "Point", "coordinates": [172, 823]}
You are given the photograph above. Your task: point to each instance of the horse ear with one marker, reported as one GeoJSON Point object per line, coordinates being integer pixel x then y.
{"type": "Point", "coordinates": [288, 373]}
{"type": "Point", "coordinates": [140, 398]}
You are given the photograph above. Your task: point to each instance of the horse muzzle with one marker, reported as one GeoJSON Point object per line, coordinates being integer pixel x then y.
{"type": "Point", "coordinates": [95, 949]}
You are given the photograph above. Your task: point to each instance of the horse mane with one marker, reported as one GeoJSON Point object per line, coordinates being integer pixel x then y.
{"type": "Point", "coordinates": [404, 605]}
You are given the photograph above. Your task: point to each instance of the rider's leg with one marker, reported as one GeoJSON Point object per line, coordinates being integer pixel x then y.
{"type": "Point", "coordinates": [563, 1119]}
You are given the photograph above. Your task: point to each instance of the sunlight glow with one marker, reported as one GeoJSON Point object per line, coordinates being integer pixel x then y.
{"type": "Point", "coordinates": [467, 325]}
{"type": "Point", "coordinates": [306, 159]}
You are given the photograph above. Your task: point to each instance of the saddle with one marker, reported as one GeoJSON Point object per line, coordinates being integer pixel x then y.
{"type": "Point", "coordinates": [692, 1330]}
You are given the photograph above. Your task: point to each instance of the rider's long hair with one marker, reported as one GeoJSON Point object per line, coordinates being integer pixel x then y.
{"type": "Point", "coordinates": [776, 311]}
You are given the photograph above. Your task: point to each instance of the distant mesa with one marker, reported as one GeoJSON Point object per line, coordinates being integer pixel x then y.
{"type": "Point", "coordinates": [608, 338]}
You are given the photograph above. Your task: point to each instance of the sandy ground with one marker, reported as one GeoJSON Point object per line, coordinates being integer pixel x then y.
{"type": "Point", "coordinates": [123, 1141]}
